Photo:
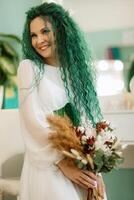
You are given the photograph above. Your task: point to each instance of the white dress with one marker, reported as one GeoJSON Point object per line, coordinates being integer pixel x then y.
{"type": "Point", "coordinates": [41, 179]}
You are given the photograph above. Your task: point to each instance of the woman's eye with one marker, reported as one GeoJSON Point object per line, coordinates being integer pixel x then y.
{"type": "Point", "coordinates": [45, 31]}
{"type": "Point", "coordinates": [33, 35]}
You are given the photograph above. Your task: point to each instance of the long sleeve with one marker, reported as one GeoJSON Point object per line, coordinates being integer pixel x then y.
{"type": "Point", "coordinates": [30, 109]}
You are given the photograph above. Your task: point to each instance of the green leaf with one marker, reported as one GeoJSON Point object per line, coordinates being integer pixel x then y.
{"type": "Point", "coordinates": [119, 161]}
{"type": "Point", "coordinates": [79, 164]}
{"type": "Point", "coordinates": [8, 49]}
{"type": "Point", "coordinates": [98, 156]}
{"type": "Point", "coordinates": [12, 81]}
{"type": "Point", "coordinates": [3, 77]}
{"type": "Point", "coordinates": [11, 36]}
{"type": "Point", "coordinates": [98, 160]}
{"type": "Point", "coordinates": [7, 65]}
{"type": "Point", "coordinates": [104, 169]}
{"type": "Point", "coordinates": [9, 59]}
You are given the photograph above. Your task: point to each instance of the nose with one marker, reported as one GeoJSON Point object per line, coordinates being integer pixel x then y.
{"type": "Point", "coordinates": [40, 39]}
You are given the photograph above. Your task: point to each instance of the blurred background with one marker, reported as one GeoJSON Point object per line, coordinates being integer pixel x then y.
{"type": "Point", "coordinates": [109, 29]}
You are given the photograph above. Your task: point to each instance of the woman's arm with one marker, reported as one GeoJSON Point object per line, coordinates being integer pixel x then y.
{"type": "Point", "coordinates": [30, 109]}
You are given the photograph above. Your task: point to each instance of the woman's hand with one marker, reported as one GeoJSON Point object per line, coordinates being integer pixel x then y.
{"type": "Point", "coordinates": [83, 178]}
{"type": "Point", "coordinates": [100, 186]}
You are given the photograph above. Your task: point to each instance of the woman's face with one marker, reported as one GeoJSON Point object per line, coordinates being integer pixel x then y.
{"type": "Point", "coordinates": [42, 38]}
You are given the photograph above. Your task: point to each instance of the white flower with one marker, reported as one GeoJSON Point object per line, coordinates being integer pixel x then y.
{"type": "Point", "coordinates": [84, 161]}
{"type": "Point", "coordinates": [100, 144]}
{"type": "Point", "coordinates": [106, 136]}
{"type": "Point", "coordinates": [103, 147]}
{"type": "Point", "coordinates": [102, 131]}
{"type": "Point", "coordinates": [124, 146]}
{"type": "Point", "coordinates": [79, 158]}
{"type": "Point", "coordinates": [84, 138]}
{"type": "Point", "coordinates": [119, 153]}
{"type": "Point", "coordinates": [83, 142]}
{"type": "Point", "coordinates": [73, 151]}
{"type": "Point", "coordinates": [81, 129]}
{"type": "Point", "coordinates": [117, 145]}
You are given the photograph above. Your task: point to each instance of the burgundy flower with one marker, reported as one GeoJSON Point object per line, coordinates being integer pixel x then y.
{"type": "Point", "coordinates": [88, 149]}
{"type": "Point", "coordinates": [101, 126]}
{"type": "Point", "coordinates": [91, 140]}
{"type": "Point", "coordinates": [79, 133]}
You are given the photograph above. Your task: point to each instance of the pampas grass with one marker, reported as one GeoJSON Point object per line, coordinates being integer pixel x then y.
{"type": "Point", "coordinates": [63, 136]}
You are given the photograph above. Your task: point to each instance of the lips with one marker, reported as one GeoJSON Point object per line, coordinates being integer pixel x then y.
{"type": "Point", "coordinates": [43, 47]}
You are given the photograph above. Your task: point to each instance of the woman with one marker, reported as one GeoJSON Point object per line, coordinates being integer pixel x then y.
{"type": "Point", "coordinates": [56, 74]}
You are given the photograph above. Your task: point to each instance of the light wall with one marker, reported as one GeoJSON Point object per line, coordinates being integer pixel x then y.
{"type": "Point", "coordinates": [101, 40]}
{"type": "Point", "coordinates": [12, 14]}
{"type": "Point", "coordinates": [94, 15]}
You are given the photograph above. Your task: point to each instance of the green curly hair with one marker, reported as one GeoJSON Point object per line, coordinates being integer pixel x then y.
{"type": "Point", "coordinates": [76, 63]}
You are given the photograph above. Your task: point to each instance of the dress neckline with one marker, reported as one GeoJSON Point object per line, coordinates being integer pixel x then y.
{"type": "Point", "coordinates": [51, 67]}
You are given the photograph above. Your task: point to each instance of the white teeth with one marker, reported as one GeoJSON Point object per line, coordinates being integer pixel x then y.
{"type": "Point", "coordinates": [43, 48]}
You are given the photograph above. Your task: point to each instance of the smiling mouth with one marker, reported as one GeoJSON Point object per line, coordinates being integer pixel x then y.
{"type": "Point", "coordinates": [44, 47]}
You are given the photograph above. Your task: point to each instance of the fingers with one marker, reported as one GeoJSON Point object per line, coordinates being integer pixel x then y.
{"type": "Point", "coordinates": [89, 180]}
{"type": "Point", "coordinates": [86, 179]}
{"type": "Point", "coordinates": [90, 174]}
{"type": "Point", "coordinates": [85, 184]}
{"type": "Point", "coordinates": [81, 184]}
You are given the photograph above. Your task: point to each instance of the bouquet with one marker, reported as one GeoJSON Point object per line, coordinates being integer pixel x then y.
{"type": "Point", "coordinates": [99, 152]}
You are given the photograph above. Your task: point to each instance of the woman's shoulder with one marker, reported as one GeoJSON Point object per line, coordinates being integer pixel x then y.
{"type": "Point", "coordinates": [26, 65]}
{"type": "Point", "coordinates": [26, 62]}
{"type": "Point", "coordinates": [25, 73]}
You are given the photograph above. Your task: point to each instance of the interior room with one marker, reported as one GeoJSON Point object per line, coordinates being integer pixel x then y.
{"type": "Point", "coordinates": [108, 26]}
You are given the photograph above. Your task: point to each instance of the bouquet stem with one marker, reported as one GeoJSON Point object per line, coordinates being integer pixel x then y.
{"type": "Point", "coordinates": [93, 194]}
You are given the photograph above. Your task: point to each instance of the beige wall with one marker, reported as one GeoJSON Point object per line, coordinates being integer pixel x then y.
{"type": "Point", "coordinates": [94, 15]}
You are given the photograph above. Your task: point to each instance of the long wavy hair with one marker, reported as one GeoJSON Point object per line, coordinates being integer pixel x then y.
{"type": "Point", "coordinates": [76, 63]}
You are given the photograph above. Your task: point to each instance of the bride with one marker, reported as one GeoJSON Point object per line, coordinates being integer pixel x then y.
{"type": "Point", "coordinates": [56, 73]}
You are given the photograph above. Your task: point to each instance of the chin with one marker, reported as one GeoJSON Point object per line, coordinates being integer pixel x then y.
{"type": "Point", "coordinates": [45, 54]}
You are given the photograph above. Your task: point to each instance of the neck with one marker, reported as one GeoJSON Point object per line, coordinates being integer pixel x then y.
{"type": "Point", "coordinates": [54, 62]}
